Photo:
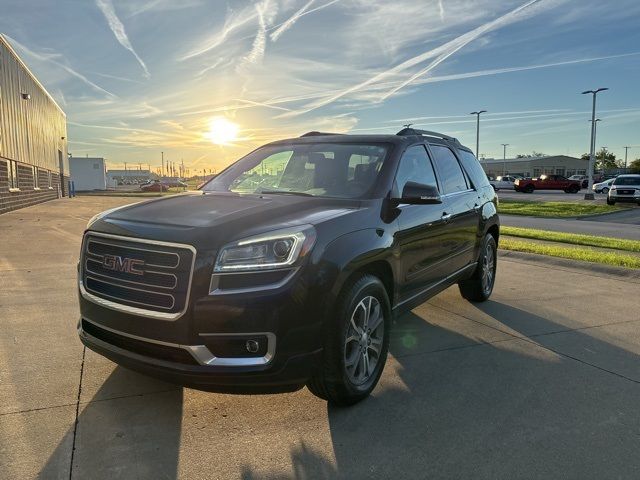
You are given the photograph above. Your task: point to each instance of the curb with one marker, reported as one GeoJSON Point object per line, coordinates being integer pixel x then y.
{"type": "Point", "coordinates": [628, 273]}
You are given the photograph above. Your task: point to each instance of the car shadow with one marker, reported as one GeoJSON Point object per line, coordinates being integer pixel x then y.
{"type": "Point", "coordinates": [458, 403]}
{"type": "Point", "coordinates": [138, 438]}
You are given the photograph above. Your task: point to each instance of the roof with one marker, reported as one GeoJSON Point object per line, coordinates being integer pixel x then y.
{"type": "Point", "coordinates": [361, 138]}
{"type": "Point", "coordinates": [6, 43]}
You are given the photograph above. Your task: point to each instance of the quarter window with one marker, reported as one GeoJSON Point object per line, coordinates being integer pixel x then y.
{"type": "Point", "coordinates": [451, 175]}
{"type": "Point", "coordinates": [415, 166]}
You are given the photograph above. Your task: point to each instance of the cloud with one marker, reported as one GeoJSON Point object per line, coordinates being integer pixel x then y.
{"type": "Point", "coordinates": [289, 22]}
{"type": "Point", "coordinates": [233, 22]}
{"type": "Point", "coordinates": [116, 26]}
{"type": "Point", "coordinates": [259, 43]}
{"type": "Point", "coordinates": [59, 61]}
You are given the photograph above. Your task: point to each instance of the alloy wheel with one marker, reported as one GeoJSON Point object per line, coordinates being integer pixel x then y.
{"type": "Point", "coordinates": [363, 343]}
{"type": "Point", "coordinates": [488, 269]}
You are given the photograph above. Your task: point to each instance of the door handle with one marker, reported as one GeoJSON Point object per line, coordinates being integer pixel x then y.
{"type": "Point", "coordinates": [446, 217]}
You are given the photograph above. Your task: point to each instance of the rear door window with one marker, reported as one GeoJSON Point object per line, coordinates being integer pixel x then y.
{"type": "Point", "coordinates": [452, 178]}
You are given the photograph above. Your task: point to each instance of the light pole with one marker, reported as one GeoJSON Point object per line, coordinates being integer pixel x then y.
{"type": "Point", "coordinates": [162, 167]}
{"type": "Point", "coordinates": [626, 151]}
{"type": "Point", "coordinates": [504, 158]}
{"type": "Point", "coordinates": [589, 195]}
{"type": "Point", "coordinates": [477, 114]}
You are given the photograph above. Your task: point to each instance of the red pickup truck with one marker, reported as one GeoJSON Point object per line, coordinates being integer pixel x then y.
{"type": "Point", "coordinates": [547, 182]}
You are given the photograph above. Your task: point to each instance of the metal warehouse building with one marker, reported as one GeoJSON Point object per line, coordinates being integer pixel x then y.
{"type": "Point", "coordinates": [33, 137]}
{"type": "Point", "coordinates": [536, 166]}
{"type": "Point", "coordinates": [88, 173]}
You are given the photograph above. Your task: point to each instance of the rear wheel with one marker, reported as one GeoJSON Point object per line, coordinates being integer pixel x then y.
{"type": "Point", "coordinates": [356, 343]}
{"type": "Point", "coordinates": [574, 189]}
{"type": "Point", "coordinates": [478, 288]}
{"type": "Point", "coordinates": [605, 190]}
{"type": "Point", "coordinates": [529, 189]}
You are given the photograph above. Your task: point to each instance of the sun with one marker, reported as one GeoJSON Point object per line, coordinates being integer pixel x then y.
{"type": "Point", "coordinates": [222, 131]}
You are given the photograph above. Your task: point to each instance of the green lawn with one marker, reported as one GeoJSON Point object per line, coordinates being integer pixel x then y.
{"type": "Point", "coordinates": [573, 238]}
{"type": "Point", "coordinates": [553, 209]}
{"type": "Point", "coordinates": [582, 254]}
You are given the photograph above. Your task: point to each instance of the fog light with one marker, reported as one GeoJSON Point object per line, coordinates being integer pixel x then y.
{"type": "Point", "coordinates": [252, 346]}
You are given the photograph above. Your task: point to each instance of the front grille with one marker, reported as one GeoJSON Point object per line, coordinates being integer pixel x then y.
{"type": "Point", "coordinates": [626, 192]}
{"type": "Point", "coordinates": [136, 273]}
{"type": "Point", "coordinates": [148, 349]}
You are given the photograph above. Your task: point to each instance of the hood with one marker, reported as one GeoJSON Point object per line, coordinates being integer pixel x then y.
{"type": "Point", "coordinates": [191, 216]}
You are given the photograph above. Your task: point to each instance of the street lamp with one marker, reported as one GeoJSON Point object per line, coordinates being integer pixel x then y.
{"type": "Point", "coordinates": [626, 151]}
{"type": "Point", "coordinates": [504, 158]}
{"type": "Point", "coordinates": [589, 195]}
{"type": "Point", "coordinates": [477, 114]}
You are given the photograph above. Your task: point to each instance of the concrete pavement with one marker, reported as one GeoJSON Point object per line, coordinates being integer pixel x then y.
{"type": "Point", "coordinates": [540, 382]}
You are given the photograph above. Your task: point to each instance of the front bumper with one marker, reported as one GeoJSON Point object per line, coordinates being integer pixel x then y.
{"type": "Point", "coordinates": [288, 375]}
{"type": "Point", "coordinates": [624, 198]}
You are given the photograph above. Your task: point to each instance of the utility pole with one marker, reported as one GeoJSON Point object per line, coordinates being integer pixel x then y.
{"type": "Point", "coordinates": [589, 195]}
{"type": "Point", "coordinates": [504, 158]}
{"type": "Point", "coordinates": [162, 166]}
{"type": "Point", "coordinates": [125, 166]}
{"type": "Point", "coordinates": [477, 114]}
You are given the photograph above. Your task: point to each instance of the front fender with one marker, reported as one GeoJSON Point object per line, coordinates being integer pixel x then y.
{"type": "Point", "coordinates": [354, 251]}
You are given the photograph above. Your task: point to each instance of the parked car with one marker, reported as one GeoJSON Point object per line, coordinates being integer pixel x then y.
{"type": "Point", "coordinates": [155, 186]}
{"type": "Point", "coordinates": [174, 182]}
{"type": "Point", "coordinates": [603, 187]}
{"type": "Point", "coordinates": [547, 182]}
{"type": "Point", "coordinates": [251, 289]}
{"type": "Point", "coordinates": [583, 179]}
{"type": "Point", "coordinates": [625, 188]}
{"type": "Point", "coordinates": [505, 182]}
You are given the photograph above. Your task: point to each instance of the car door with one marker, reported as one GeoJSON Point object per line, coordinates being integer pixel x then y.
{"type": "Point", "coordinates": [422, 229]}
{"type": "Point", "coordinates": [462, 204]}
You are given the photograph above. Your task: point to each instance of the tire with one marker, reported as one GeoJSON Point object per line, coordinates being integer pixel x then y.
{"type": "Point", "coordinates": [342, 378]}
{"type": "Point", "coordinates": [610, 202]}
{"type": "Point", "coordinates": [605, 190]}
{"type": "Point", "coordinates": [528, 189]}
{"type": "Point", "coordinates": [478, 288]}
{"type": "Point", "coordinates": [574, 189]}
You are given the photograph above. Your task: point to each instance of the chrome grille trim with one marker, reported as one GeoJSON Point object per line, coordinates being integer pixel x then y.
{"type": "Point", "coordinates": [120, 307]}
{"type": "Point", "coordinates": [96, 274]}
{"type": "Point", "coordinates": [136, 248]}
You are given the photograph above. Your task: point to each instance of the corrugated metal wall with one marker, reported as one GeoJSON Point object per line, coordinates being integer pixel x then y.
{"type": "Point", "coordinates": [31, 131]}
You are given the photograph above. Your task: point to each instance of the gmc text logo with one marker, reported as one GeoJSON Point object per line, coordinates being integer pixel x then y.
{"type": "Point", "coordinates": [119, 264]}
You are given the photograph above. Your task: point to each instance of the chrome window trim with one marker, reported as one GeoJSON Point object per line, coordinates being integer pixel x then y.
{"type": "Point", "coordinates": [200, 353]}
{"type": "Point", "coordinates": [215, 277]}
{"type": "Point", "coordinates": [143, 312]}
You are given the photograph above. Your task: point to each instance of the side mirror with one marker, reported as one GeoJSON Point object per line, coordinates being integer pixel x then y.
{"type": "Point", "coordinates": [419, 194]}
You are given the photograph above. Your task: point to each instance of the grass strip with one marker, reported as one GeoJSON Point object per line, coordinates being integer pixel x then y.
{"type": "Point", "coordinates": [573, 238]}
{"type": "Point", "coordinates": [582, 254]}
{"type": "Point", "coordinates": [553, 209]}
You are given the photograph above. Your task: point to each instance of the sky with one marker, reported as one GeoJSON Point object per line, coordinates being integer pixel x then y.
{"type": "Point", "coordinates": [141, 77]}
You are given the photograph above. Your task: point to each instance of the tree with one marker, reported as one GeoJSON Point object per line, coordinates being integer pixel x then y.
{"type": "Point", "coordinates": [531, 155]}
{"type": "Point", "coordinates": [604, 160]}
{"type": "Point", "coordinates": [634, 167]}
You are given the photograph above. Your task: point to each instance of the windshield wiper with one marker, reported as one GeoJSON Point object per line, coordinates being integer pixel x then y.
{"type": "Point", "coordinates": [285, 192]}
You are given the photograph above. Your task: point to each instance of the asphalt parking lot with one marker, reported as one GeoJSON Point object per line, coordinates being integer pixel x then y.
{"type": "Point", "coordinates": [543, 381]}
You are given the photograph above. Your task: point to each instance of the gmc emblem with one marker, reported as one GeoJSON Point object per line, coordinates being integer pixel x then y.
{"type": "Point", "coordinates": [119, 264]}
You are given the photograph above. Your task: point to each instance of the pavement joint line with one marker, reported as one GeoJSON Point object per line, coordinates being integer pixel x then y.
{"type": "Point", "coordinates": [75, 423]}
{"type": "Point", "coordinates": [119, 397]}
{"type": "Point", "coordinates": [529, 339]}
{"type": "Point", "coordinates": [584, 270]}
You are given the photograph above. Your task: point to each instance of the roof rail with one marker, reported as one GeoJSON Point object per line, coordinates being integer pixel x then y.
{"type": "Point", "coordinates": [427, 133]}
{"type": "Point", "coordinates": [318, 134]}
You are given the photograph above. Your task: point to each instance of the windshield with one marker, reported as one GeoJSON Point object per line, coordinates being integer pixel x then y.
{"type": "Point", "coordinates": [627, 180]}
{"type": "Point", "coordinates": [344, 170]}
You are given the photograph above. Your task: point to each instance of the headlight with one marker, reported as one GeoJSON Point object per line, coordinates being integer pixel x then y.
{"type": "Point", "coordinates": [277, 249]}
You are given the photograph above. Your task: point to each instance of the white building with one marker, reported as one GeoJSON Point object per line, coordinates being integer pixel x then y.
{"type": "Point", "coordinates": [88, 173]}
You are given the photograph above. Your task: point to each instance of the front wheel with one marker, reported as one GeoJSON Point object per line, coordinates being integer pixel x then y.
{"type": "Point", "coordinates": [478, 288]}
{"type": "Point", "coordinates": [610, 202]}
{"type": "Point", "coordinates": [529, 189]}
{"type": "Point", "coordinates": [356, 343]}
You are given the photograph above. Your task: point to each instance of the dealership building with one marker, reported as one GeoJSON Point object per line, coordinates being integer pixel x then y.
{"type": "Point", "coordinates": [33, 137]}
{"type": "Point", "coordinates": [536, 166]}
